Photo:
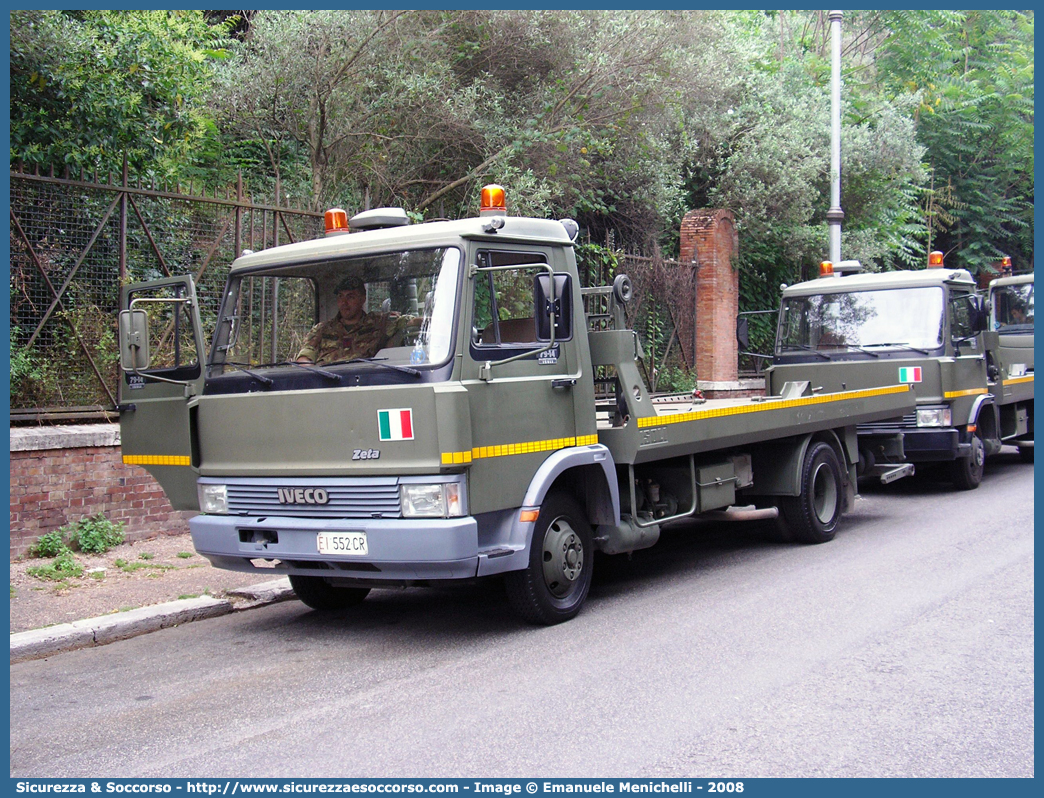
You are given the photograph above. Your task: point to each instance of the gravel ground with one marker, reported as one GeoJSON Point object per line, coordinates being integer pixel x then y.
{"type": "Point", "coordinates": [148, 572]}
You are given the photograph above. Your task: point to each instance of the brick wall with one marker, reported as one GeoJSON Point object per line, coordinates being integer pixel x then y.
{"type": "Point", "coordinates": [62, 474]}
{"type": "Point", "coordinates": [709, 239]}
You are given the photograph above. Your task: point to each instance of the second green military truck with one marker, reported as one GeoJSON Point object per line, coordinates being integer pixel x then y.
{"type": "Point", "coordinates": [500, 428]}
{"type": "Point", "coordinates": [932, 330]}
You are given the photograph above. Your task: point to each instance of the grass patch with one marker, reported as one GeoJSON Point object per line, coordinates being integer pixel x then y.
{"type": "Point", "coordinates": [63, 566]}
{"type": "Point", "coordinates": [189, 596]}
{"type": "Point", "coordinates": [13, 591]}
{"type": "Point", "coordinates": [145, 556]}
{"type": "Point", "coordinates": [184, 555]}
{"type": "Point", "coordinates": [131, 567]}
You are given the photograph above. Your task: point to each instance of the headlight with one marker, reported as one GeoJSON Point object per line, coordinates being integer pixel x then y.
{"type": "Point", "coordinates": [934, 417]}
{"type": "Point", "coordinates": [441, 500]}
{"type": "Point", "coordinates": [212, 498]}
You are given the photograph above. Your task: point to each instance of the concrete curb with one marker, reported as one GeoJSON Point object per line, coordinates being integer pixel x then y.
{"type": "Point", "coordinates": [38, 643]}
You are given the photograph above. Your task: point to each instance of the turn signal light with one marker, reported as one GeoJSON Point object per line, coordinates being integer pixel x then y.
{"type": "Point", "coordinates": [336, 221]}
{"type": "Point", "coordinates": [493, 199]}
{"type": "Point", "coordinates": [935, 260]}
{"type": "Point", "coordinates": [826, 269]}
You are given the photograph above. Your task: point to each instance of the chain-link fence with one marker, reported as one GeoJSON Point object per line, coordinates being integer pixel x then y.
{"type": "Point", "coordinates": [74, 242]}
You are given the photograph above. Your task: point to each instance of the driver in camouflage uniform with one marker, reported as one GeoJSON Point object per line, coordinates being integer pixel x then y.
{"type": "Point", "coordinates": [352, 332]}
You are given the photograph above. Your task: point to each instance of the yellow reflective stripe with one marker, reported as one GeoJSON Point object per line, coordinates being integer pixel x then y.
{"type": "Point", "coordinates": [1017, 380]}
{"type": "Point", "coordinates": [759, 407]}
{"type": "Point", "coordinates": [509, 449]}
{"type": "Point", "coordinates": [968, 392]}
{"type": "Point", "coordinates": [157, 459]}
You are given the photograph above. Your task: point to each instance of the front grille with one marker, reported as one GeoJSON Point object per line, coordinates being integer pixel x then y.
{"type": "Point", "coordinates": [355, 498]}
{"type": "Point", "coordinates": [909, 421]}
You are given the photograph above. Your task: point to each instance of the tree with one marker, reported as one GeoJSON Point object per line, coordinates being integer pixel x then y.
{"type": "Point", "coordinates": [88, 86]}
{"type": "Point", "coordinates": [971, 73]}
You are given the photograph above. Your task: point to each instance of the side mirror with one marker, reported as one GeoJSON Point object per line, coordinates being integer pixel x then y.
{"type": "Point", "coordinates": [743, 332]}
{"type": "Point", "coordinates": [563, 306]}
{"type": "Point", "coordinates": [980, 315]}
{"type": "Point", "coordinates": [134, 340]}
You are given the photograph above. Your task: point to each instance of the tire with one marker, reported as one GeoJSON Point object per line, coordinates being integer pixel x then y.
{"type": "Point", "coordinates": [561, 560]}
{"type": "Point", "coordinates": [812, 517]}
{"type": "Point", "coordinates": [319, 594]}
{"type": "Point", "coordinates": [1026, 454]}
{"type": "Point", "coordinates": [966, 472]}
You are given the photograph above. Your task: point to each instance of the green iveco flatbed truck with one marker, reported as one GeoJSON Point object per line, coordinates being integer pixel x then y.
{"type": "Point", "coordinates": [504, 431]}
{"type": "Point", "coordinates": [969, 362]}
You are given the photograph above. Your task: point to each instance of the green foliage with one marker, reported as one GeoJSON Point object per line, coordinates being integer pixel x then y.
{"type": "Point", "coordinates": [971, 76]}
{"type": "Point", "coordinates": [184, 555]}
{"type": "Point", "coordinates": [97, 534]}
{"type": "Point", "coordinates": [596, 264]}
{"type": "Point", "coordinates": [50, 545]}
{"type": "Point", "coordinates": [87, 86]}
{"type": "Point", "coordinates": [145, 556]}
{"type": "Point", "coordinates": [64, 566]}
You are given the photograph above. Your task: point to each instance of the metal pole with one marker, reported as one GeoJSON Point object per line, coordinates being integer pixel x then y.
{"type": "Point", "coordinates": [275, 280]}
{"type": "Point", "coordinates": [835, 215]}
{"type": "Point", "coordinates": [123, 222]}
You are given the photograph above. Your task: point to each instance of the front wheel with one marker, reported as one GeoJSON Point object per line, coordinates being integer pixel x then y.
{"type": "Point", "coordinates": [966, 472]}
{"type": "Point", "coordinates": [319, 594]}
{"type": "Point", "coordinates": [812, 517]}
{"type": "Point", "coordinates": [561, 558]}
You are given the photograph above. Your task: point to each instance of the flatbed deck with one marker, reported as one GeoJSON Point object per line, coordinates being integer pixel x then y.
{"type": "Point", "coordinates": [681, 425]}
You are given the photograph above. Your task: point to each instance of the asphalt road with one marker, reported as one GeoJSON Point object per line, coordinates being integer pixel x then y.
{"type": "Point", "coordinates": [902, 648]}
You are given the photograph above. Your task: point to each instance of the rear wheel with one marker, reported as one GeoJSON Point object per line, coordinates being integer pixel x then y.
{"type": "Point", "coordinates": [319, 594]}
{"type": "Point", "coordinates": [812, 517]}
{"type": "Point", "coordinates": [966, 472]}
{"type": "Point", "coordinates": [561, 557]}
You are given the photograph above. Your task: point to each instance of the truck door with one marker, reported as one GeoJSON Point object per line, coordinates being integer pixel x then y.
{"type": "Point", "coordinates": [156, 402]}
{"type": "Point", "coordinates": [969, 375]}
{"type": "Point", "coordinates": [522, 398]}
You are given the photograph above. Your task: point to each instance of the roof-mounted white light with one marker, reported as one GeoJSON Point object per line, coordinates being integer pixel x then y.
{"type": "Point", "coordinates": [378, 218]}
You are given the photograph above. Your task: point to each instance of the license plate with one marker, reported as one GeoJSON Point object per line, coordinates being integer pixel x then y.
{"type": "Point", "coordinates": [343, 544]}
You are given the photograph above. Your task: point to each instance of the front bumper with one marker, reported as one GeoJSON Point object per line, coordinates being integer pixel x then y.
{"type": "Point", "coordinates": [924, 445]}
{"type": "Point", "coordinates": [401, 551]}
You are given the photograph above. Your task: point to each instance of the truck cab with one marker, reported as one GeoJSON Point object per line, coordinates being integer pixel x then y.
{"type": "Point", "coordinates": [1011, 354]}
{"type": "Point", "coordinates": [925, 328]}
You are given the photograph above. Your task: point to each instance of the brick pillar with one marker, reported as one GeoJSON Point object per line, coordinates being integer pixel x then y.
{"type": "Point", "coordinates": [709, 239]}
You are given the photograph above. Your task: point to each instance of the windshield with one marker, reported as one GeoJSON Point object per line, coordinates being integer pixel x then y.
{"type": "Point", "coordinates": [391, 308]}
{"type": "Point", "coordinates": [900, 318]}
{"type": "Point", "coordinates": [1012, 308]}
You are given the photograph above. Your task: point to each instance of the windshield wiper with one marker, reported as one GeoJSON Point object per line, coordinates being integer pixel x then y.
{"type": "Point", "coordinates": [808, 349]}
{"type": "Point", "coordinates": [261, 378]}
{"type": "Point", "coordinates": [861, 349]}
{"type": "Point", "coordinates": [903, 345]}
{"type": "Point", "coordinates": [315, 369]}
{"type": "Point", "coordinates": [378, 362]}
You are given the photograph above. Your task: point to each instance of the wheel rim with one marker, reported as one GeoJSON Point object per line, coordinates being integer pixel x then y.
{"type": "Point", "coordinates": [563, 557]}
{"type": "Point", "coordinates": [824, 493]}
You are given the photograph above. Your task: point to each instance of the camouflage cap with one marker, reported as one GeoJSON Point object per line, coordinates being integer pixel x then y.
{"type": "Point", "coordinates": [350, 283]}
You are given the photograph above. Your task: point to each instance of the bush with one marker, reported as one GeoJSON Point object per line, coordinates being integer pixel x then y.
{"type": "Point", "coordinates": [97, 534]}
{"type": "Point", "coordinates": [50, 545]}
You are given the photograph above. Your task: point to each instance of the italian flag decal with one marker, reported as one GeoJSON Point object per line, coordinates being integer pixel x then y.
{"type": "Point", "coordinates": [910, 374]}
{"type": "Point", "coordinates": [396, 425]}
